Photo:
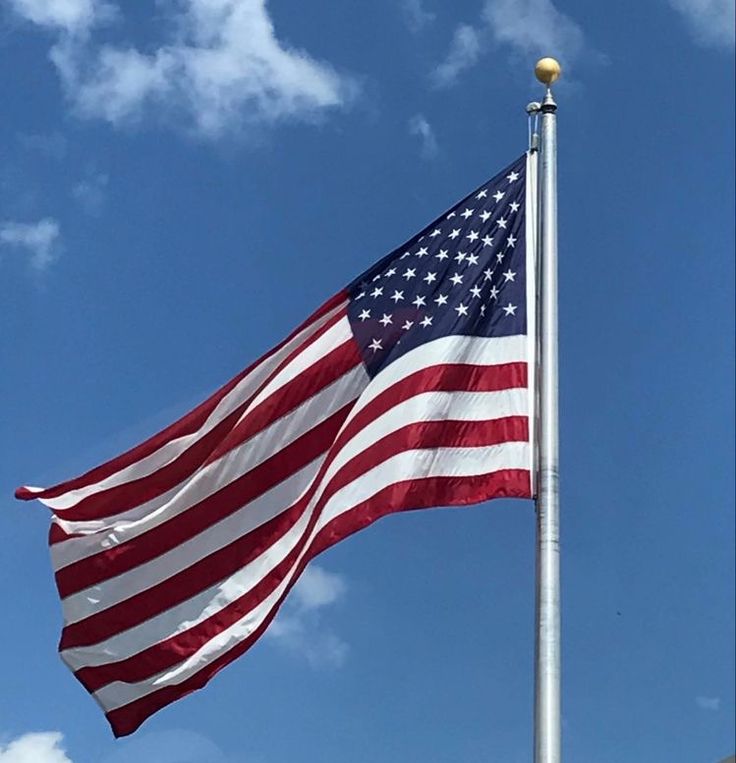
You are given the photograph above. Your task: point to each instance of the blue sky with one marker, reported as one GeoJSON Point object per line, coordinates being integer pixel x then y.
{"type": "Point", "coordinates": [181, 183]}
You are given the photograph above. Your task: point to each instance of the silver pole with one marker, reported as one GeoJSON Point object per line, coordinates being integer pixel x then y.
{"type": "Point", "coordinates": [547, 728]}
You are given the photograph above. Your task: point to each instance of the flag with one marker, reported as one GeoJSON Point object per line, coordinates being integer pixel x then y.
{"type": "Point", "coordinates": [410, 388]}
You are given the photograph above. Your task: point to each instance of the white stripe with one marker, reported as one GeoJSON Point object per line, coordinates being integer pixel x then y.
{"type": "Point", "coordinates": [215, 475]}
{"type": "Point", "coordinates": [248, 518]}
{"type": "Point", "coordinates": [462, 350]}
{"type": "Point", "coordinates": [334, 337]}
{"type": "Point", "coordinates": [98, 597]}
{"type": "Point", "coordinates": [190, 612]}
{"type": "Point", "coordinates": [172, 449]}
{"type": "Point", "coordinates": [429, 463]}
{"type": "Point", "coordinates": [530, 233]}
{"type": "Point", "coordinates": [432, 406]}
{"type": "Point", "coordinates": [418, 464]}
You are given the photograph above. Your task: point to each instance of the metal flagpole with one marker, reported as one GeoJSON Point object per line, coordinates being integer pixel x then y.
{"type": "Point", "coordinates": [547, 730]}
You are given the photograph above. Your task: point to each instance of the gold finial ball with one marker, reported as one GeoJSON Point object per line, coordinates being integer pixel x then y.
{"type": "Point", "coordinates": [547, 70]}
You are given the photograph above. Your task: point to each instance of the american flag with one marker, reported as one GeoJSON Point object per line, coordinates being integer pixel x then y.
{"type": "Point", "coordinates": [408, 389]}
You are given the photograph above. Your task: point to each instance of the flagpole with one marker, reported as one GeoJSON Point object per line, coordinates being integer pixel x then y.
{"type": "Point", "coordinates": [547, 717]}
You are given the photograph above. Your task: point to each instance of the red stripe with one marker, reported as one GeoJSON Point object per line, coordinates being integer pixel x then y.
{"type": "Point", "coordinates": [57, 534]}
{"type": "Point", "coordinates": [422, 493]}
{"type": "Point", "coordinates": [446, 377]}
{"type": "Point", "coordinates": [186, 425]}
{"type": "Point", "coordinates": [225, 562]}
{"type": "Point", "coordinates": [229, 499]}
{"type": "Point", "coordinates": [294, 393]}
{"type": "Point", "coordinates": [106, 564]}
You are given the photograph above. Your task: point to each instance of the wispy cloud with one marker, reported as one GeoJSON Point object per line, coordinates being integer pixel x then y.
{"type": "Point", "coordinates": [534, 27]}
{"type": "Point", "coordinates": [712, 22]}
{"type": "Point", "coordinates": [524, 27]}
{"type": "Point", "coordinates": [73, 17]}
{"type": "Point", "coordinates": [708, 703]}
{"type": "Point", "coordinates": [37, 747]}
{"type": "Point", "coordinates": [90, 192]}
{"type": "Point", "coordinates": [169, 746]}
{"type": "Point", "coordinates": [464, 51]}
{"type": "Point", "coordinates": [299, 626]}
{"type": "Point", "coordinates": [52, 145]}
{"type": "Point", "coordinates": [420, 127]}
{"type": "Point", "coordinates": [40, 241]}
{"type": "Point", "coordinates": [221, 68]}
{"type": "Point", "coordinates": [416, 15]}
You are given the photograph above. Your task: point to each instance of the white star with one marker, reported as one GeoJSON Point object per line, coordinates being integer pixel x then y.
{"type": "Point", "coordinates": [410, 273]}
{"type": "Point", "coordinates": [397, 296]}
{"type": "Point", "coordinates": [509, 275]}
{"type": "Point", "coordinates": [482, 309]}
{"type": "Point", "coordinates": [435, 232]}
{"type": "Point", "coordinates": [455, 233]}
{"type": "Point", "coordinates": [452, 214]}
{"type": "Point", "coordinates": [484, 216]}
{"type": "Point", "coordinates": [514, 206]}
{"type": "Point", "coordinates": [364, 315]}
{"type": "Point", "coordinates": [511, 241]}
{"type": "Point", "coordinates": [407, 325]}
{"type": "Point", "coordinates": [442, 255]}
{"type": "Point", "coordinates": [460, 257]}
{"type": "Point", "coordinates": [473, 235]}
{"type": "Point", "coordinates": [512, 177]}
{"type": "Point", "coordinates": [510, 309]}
{"type": "Point", "coordinates": [422, 252]}
{"type": "Point", "coordinates": [430, 278]}
{"type": "Point", "coordinates": [461, 310]}
{"type": "Point", "coordinates": [377, 292]}
{"type": "Point", "coordinates": [475, 291]}
{"type": "Point", "coordinates": [457, 279]}
{"type": "Point", "coordinates": [502, 222]}
{"type": "Point", "coordinates": [427, 321]}
{"type": "Point", "coordinates": [467, 213]}
{"type": "Point", "coordinates": [487, 241]}
{"type": "Point", "coordinates": [419, 301]}
{"type": "Point", "coordinates": [361, 295]}
{"type": "Point", "coordinates": [494, 292]}
{"type": "Point", "coordinates": [405, 255]}
{"type": "Point", "coordinates": [499, 256]}
{"type": "Point", "coordinates": [472, 259]}
{"type": "Point", "coordinates": [375, 345]}
{"type": "Point", "coordinates": [488, 273]}
{"type": "Point", "coordinates": [386, 320]}
{"type": "Point", "coordinates": [481, 194]}
{"type": "Point", "coordinates": [498, 195]}
{"type": "Point", "coordinates": [376, 278]}
{"type": "Point", "coordinates": [441, 300]}
{"type": "Point", "coordinates": [391, 272]}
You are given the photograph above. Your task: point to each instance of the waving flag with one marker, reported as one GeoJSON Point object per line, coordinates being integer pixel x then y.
{"type": "Point", "coordinates": [409, 389]}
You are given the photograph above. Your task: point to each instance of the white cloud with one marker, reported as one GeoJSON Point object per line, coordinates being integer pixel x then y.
{"type": "Point", "coordinates": [416, 15]}
{"type": "Point", "coordinates": [419, 126]}
{"type": "Point", "coordinates": [298, 626]}
{"type": "Point", "coordinates": [90, 192]}
{"type": "Point", "coordinates": [534, 27]}
{"type": "Point", "coordinates": [69, 16]}
{"type": "Point", "coordinates": [40, 240]}
{"type": "Point", "coordinates": [464, 51]}
{"type": "Point", "coordinates": [39, 747]}
{"type": "Point", "coordinates": [222, 67]}
{"type": "Point", "coordinates": [525, 27]}
{"type": "Point", "coordinates": [708, 703]}
{"type": "Point", "coordinates": [712, 22]}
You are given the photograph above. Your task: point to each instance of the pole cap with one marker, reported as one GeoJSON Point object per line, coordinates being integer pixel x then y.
{"type": "Point", "coordinates": [547, 70]}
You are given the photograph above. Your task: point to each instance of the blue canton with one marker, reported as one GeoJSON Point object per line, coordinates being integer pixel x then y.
{"type": "Point", "coordinates": [465, 274]}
